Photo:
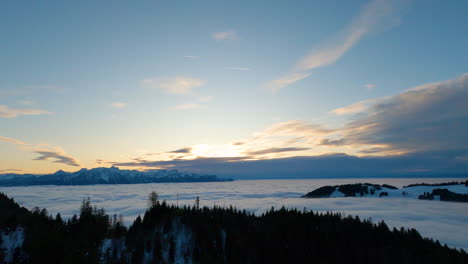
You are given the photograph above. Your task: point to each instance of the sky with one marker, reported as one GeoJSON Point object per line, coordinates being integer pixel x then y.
{"type": "Point", "coordinates": [258, 88]}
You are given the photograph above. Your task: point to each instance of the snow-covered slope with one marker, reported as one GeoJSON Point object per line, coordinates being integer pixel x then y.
{"type": "Point", "coordinates": [387, 191]}
{"type": "Point", "coordinates": [11, 241]}
{"type": "Point", "coordinates": [111, 175]}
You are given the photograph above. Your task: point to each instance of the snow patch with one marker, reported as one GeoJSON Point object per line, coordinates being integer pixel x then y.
{"type": "Point", "coordinates": [11, 241]}
{"type": "Point", "coordinates": [337, 193]}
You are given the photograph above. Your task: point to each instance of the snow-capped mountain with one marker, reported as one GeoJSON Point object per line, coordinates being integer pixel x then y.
{"type": "Point", "coordinates": [111, 175]}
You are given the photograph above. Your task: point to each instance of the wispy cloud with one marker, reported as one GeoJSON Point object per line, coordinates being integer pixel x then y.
{"type": "Point", "coordinates": [119, 104]}
{"type": "Point", "coordinates": [286, 80]}
{"type": "Point", "coordinates": [11, 170]}
{"type": "Point", "coordinates": [370, 86]}
{"type": "Point", "coordinates": [7, 112]}
{"type": "Point", "coordinates": [182, 150]}
{"type": "Point", "coordinates": [275, 150]}
{"type": "Point", "coordinates": [12, 140]}
{"type": "Point", "coordinates": [57, 156]}
{"type": "Point", "coordinates": [200, 103]}
{"type": "Point", "coordinates": [375, 15]}
{"type": "Point", "coordinates": [412, 127]}
{"type": "Point", "coordinates": [226, 35]}
{"type": "Point", "coordinates": [175, 85]}
{"type": "Point", "coordinates": [46, 152]}
{"type": "Point", "coordinates": [351, 109]}
{"type": "Point", "coordinates": [191, 57]}
{"type": "Point", "coordinates": [189, 106]}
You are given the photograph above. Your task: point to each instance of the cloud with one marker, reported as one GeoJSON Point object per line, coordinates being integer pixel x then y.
{"type": "Point", "coordinates": [433, 116]}
{"type": "Point", "coordinates": [7, 112]}
{"type": "Point", "coordinates": [331, 165]}
{"type": "Point", "coordinates": [45, 151]}
{"type": "Point", "coordinates": [240, 68]}
{"type": "Point", "coordinates": [12, 140]}
{"type": "Point", "coordinates": [189, 106]}
{"type": "Point", "coordinates": [192, 57]}
{"type": "Point", "coordinates": [182, 150]}
{"type": "Point", "coordinates": [275, 150]}
{"type": "Point", "coordinates": [286, 80]}
{"type": "Point", "coordinates": [423, 127]}
{"type": "Point", "coordinates": [377, 14]}
{"type": "Point", "coordinates": [370, 86]}
{"type": "Point", "coordinates": [198, 105]}
{"type": "Point", "coordinates": [119, 104]}
{"type": "Point", "coordinates": [175, 85]}
{"type": "Point", "coordinates": [10, 170]}
{"type": "Point", "coordinates": [332, 142]}
{"type": "Point", "coordinates": [226, 35]}
{"type": "Point", "coordinates": [295, 128]}
{"type": "Point", "coordinates": [57, 157]}
{"type": "Point", "coordinates": [353, 108]}
{"type": "Point", "coordinates": [374, 15]}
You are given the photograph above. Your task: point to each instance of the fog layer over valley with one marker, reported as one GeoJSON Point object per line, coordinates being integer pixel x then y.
{"type": "Point", "coordinates": [444, 221]}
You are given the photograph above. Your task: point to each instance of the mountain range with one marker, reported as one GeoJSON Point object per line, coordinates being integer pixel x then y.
{"type": "Point", "coordinates": [112, 175]}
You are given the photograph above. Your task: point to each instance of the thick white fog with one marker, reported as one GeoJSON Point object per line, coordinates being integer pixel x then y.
{"type": "Point", "coordinates": [445, 221]}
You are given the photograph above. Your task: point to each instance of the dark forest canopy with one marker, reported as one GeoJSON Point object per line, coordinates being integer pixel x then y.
{"type": "Point", "coordinates": [166, 234]}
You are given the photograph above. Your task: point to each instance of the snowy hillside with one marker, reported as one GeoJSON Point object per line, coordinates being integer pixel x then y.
{"type": "Point", "coordinates": [111, 175]}
{"type": "Point", "coordinates": [11, 242]}
{"type": "Point", "coordinates": [427, 192]}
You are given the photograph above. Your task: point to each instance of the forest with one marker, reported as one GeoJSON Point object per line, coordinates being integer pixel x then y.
{"type": "Point", "coordinates": [193, 234]}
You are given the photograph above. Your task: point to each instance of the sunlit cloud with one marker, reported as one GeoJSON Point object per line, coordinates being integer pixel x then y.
{"type": "Point", "coordinates": [226, 35]}
{"type": "Point", "coordinates": [370, 86]}
{"type": "Point", "coordinates": [428, 117]}
{"type": "Point", "coordinates": [10, 171]}
{"type": "Point", "coordinates": [46, 152]}
{"type": "Point", "coordinates": [226, 150]}
{"type": "Point", "coordinates": [57, 156]}
{"type": "Point", "coordinates": [275, 150]}
{"type": "Point", "coordinates": [7, 112]}
{"type": "Point", "coordinates": [416, 123]}
{"type": "Point", "coordinates": [286, 80]}
{"type": "Point", "coordinates": [12, 140]}
{"type": "Point", "coordinates": [376, 15]}
{"type": "Point", "coordinates": [351, 109]}
{"type": "Point", "coordinates": [175, 85]}
{"type": "Point", "coordinates": [119, 104]}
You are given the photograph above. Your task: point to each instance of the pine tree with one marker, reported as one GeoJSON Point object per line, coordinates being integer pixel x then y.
{"type": "Point", "coordinates": [153, 199]}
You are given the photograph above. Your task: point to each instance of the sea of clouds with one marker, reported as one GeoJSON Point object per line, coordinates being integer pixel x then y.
{"type": "Point", "coordinates": [445, 221]}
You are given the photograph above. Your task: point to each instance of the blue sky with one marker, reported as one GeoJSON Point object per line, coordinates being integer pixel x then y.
{"type": "Point", "coordinates": [89, 83]}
